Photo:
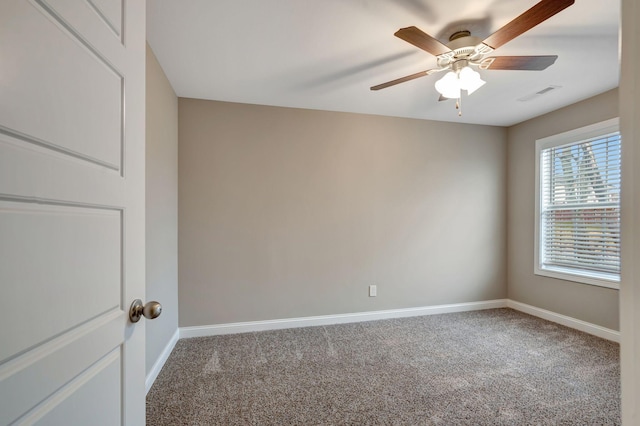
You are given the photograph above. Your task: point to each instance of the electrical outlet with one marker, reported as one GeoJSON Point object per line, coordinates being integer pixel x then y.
{"type": "Point", "coordinates": [373, 291]}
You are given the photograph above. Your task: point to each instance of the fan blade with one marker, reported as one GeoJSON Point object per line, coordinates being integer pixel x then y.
{"type": "Point", "coordinates": [529, 19]}
{"type": "Point", "coordinates": [442, 98]}
{"type": "Point", "coordinates": [524, 63]}
{"type": "Point", "coordinates": [402, 80]}
{"type": "Point", "coordinates": [422, 40]}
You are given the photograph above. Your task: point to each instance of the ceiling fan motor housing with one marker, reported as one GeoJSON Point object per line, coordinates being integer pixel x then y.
{"type": "Point", "coordinates": [459, 34]}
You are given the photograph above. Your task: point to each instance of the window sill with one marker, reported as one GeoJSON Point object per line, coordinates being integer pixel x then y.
{"type": "Point", "coordinates": [591, 278]}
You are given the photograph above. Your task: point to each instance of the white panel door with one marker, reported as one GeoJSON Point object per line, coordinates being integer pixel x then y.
{"type": "Point", "coordinates": [71, 211]}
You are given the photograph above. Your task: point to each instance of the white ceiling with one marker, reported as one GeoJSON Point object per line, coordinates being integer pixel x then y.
{"type": "Point", "coordinates": [325, 54]}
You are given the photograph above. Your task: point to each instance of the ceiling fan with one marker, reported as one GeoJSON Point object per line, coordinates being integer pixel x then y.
{"type": "Point", "coordinates": [464, 51]}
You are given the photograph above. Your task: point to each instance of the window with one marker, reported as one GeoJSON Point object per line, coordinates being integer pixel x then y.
{"type": "Point", "coordinates": [578, 205]}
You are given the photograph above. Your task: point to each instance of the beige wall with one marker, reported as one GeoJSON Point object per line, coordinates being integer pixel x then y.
{"type": "Point", "coordinates": [291, 213]}
{"type": "Point", "coordinates": [589, 303]}
{"type": "Point", "coordinates": [161, 208]}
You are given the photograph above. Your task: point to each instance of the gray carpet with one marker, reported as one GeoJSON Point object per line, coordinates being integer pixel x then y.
{"type": "Point", "coordinates": [493, 367]}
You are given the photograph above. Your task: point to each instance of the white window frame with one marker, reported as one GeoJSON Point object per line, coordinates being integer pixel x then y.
{"type": "Point", "coordinates": [572, 136]}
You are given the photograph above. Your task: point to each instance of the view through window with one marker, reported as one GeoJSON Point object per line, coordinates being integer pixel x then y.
{"type": "Point", "coordinates": [578, 218]}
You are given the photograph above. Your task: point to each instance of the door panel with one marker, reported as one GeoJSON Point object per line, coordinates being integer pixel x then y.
{"type": "Point", "coordinates": [71, 211]}
{"type": "Point", "coordinates": [76, 404]}
{"type": "Point", "coordinates": [55, 252]}
{"type": "Point", "coordinates": [39, 46]}
{"type": "Point", "coordinates": [47, 367]}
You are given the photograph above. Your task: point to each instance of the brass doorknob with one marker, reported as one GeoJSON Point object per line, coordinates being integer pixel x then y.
{"type": "Point", "coordinates": [150, 310]}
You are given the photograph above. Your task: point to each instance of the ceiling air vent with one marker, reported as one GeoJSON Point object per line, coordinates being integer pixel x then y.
{"type": "Point", "coordinates": [538, 93]}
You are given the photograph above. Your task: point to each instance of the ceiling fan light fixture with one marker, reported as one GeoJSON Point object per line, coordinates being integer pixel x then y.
{"type": "Point", "coordinates": [453, 82]}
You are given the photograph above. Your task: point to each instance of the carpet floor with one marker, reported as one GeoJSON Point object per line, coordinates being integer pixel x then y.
{"type": "Point", "coordinates": [492, 367]}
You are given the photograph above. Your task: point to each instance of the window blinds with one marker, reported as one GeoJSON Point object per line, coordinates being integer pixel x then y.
{"type": "Point", "coordinates": [580, 206]}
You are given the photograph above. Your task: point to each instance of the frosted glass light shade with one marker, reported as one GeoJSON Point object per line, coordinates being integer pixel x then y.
{"type": "Point", "coordinates": [449, 85]}
{"type": "Point", "coordinates": [467, 79]}
{"type": "Point", "coordinates": [470, 80]}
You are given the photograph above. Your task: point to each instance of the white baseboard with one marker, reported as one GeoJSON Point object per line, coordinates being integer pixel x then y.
{"type": "Point", "coordinates": [587, 327]}
{"type": "Point", "coordinates": [157, 366]}
{"type": "Point", "coordinates": [244, 327]}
